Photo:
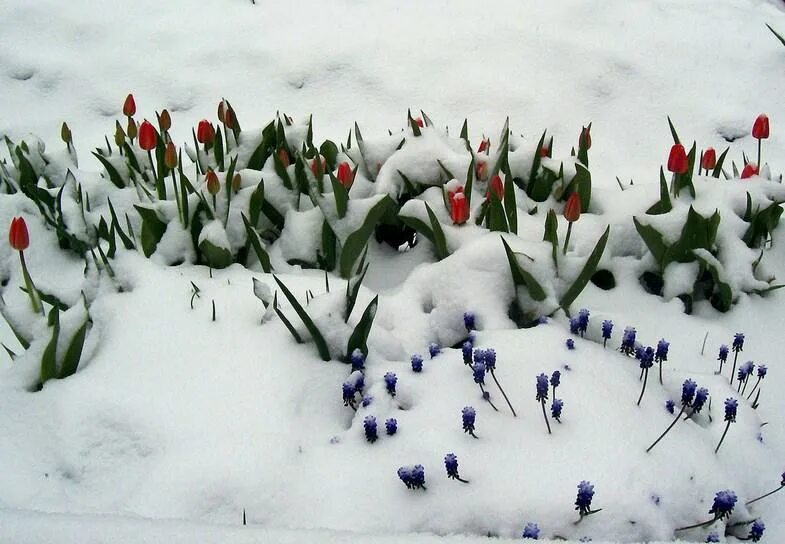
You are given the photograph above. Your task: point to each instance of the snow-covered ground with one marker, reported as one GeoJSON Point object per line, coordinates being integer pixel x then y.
{"type": "Point", "coordinates": [177, 416]}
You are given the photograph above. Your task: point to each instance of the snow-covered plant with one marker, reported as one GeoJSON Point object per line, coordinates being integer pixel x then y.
{"type": "Point", "coordinates": [584, 499]}
{"type": "Point", "coordinates": [413, 477]}
{"type": "Point", "coordinates": [770, 493]}
{"type": "Point", "coordinates": [416, 361]}
{"type": "Point", "coordinates": [531, 531]}
{"type": "Point", "coordinates": [688, 397]}
{"type": "Point", "coordinates": [542, 396]}
{"type": "Point", "coordinates": [722, 508]}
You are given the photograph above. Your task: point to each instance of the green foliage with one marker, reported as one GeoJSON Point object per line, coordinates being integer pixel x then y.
{"type": "Point", "coordinates": [586, 272]}
{"type": "Point", "coordinates": [356, 242]}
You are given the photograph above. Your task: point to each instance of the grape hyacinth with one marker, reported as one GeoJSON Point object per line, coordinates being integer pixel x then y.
{"type": "Point", "coordinates": [583, 321]}
{"type": "Point", "coordinates": [607, 329]}
{"type": "Point", "coordinates": [466, 350]}
{"type": "Point", "coordinates": [688, 393]}
{"type": "Point", "coordinates": [628, 341]}
{"type": "Point", "coordinates": [670, 406]}
{"type": "Point", "coordinates": [575, 326]}
{"type": "Point", "coordinates": [556, 407]}
{"type": "Point", "coordinates": [662, 354]}
{"type": "Point", "coordinates": [761, 374]}
{"type": "Point", "coordinates": [357, 379]}
{"type": "Point", "coordinates": [469, 321]}
{"type": "Point", "coordinates": [555, 381]}
{"type": "Point", "coordinates": [478, 371]}
{"type": "Point", "coordinates": [737, 346]}
{"type": "Point", "coordinates": [723, 357]}
{"type": "Point", "coordinates": [416, 363]}
{"type": "Point", "coordinates": [412, 477]}
{"type": "Point", "coordinates": [348, 394]}
{"type": "Point", "coordinates": [390, 381]}
{"type": "Point", "coordinates": [358, 360]}
{"type": "Point", "coordinates": [570, 343]}
{"type": "Point", "coordinates": [722, 508]}
{"type": "Point", "coordinates": [583, 501]}
{"type": "Point", "coordinates": [369, 425]}
{"type": "Point", "coordinates": [434, 349]}
{"type": "Point", "coordinates": [367, 400]}
{"type": "Point", "coordinates": [731, 405]}
{"type": "Point", "coordinates": [542, 396]}
{"type": "Point", "coordinates": [488, 358]}
{"type": "Point", "coordinates": [451, 465]}
{"type": "Point", "coordinates": [468, 416]}
{"type": "Point", "coordinates": [744, 373]}
{"type": "Point", "coordinates": [756, 531]}
{"type": "Point", "coordinates": [712, 537]}
{"type": "Point", "coordinates": [701, 396]}
{"type": "Point", "coordinates": [391, 426]}
{"type": "Point", "coordinates": [647, 361]}
{"type": "Point", "coordinates": [531, 531]}
{"type": "Point", "coordinates": [770, 493]}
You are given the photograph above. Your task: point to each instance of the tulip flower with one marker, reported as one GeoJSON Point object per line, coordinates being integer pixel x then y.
{"type": "Point", "coordinates": [481, 170]}
{"type": "Point", "coordinates": [709, 160]}
{"type": "Point", "coordinates": [205, 133]}
{"type": "Point", "coordinates": [544, 151]}
{"type": "Point", "coordinates": [345, 175]}
{"type": "Point", "coordinates": [213, 185]}
{"type": "Point", "coordinates": [119, 135]}
{"type": "Point", "coordinates": [496, 187]}
{"type": "Point", "coordinates": [222, 111]}
{"type": "Point", "coordinates": [750, 170]}
{"type": "Point", "coordinates": [572, 212]}
{"type": "Point", "coordinates": [147, 136]}
{"type": "Point", "coordinates": [760, 130]}
{"type": "Point", "coordinates": [164, 121]}
{"type": "Point", "coordinates": [229, 118]}
{"type": "Point", "coordinates": [584, 140]}
{"type": "Point", "coordinates": [485, 145]}
{"type": "Point", "coordinates": [170, 156]}
{"type": "Point", "coordinates": [19, 239]}
{"type": "Point", "coordinates": [65, 135]}
{"type": "Point", "coordinates": [132, 130]}
{"type": "Point", "coordinates": [129, 106]}
{"type": "Point", "coordinates": [677, 160]}
{"type": "Point", "coordinates": [318, 166]}
{"type": "Point", "coordinates": [459, 208]}
{"type": "Point", "coordinates": [237, 182]}
{"type": "Point", "coordinates": [419, 122]}
{"type": "Point", "coordinates": [283, 156]}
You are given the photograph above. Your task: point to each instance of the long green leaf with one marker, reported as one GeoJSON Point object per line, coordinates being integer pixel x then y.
{"type": "Point", "coordinates": [586, 273]}
{"type": "Point", "coordinates": [510, 204]}
{"type": "Point", "coordinates": [353, 290]}
{"type": "Point", "coordinates": [356, 241]}
{"type": "Point", "coordinates": [49, 357]}
{"type": "Point", "coordinates": [74, 352]}
{"type": "Point", "coordinates": [654, 241]}
{"type": "Point", "coordinates": [359, 337]}
{"type": "Point", "coordinates": [551, 235]}
{"type": "Point", "coordinates": [439, 241]}
{"type": "Point", "coordinates": [153, 229]}
{"type": "Point", "coordinates": [521, 277]}
{"type": "Point", "coordinates": [256, 244]}
{"type": "Point", "coordinates": [341, 196]}
{"type": "Point", "coordinates": [114, 175]}
{"type": "Point", "coordinates": [285, 320]}
{"type": "Point", "coordinates": [321, 345]}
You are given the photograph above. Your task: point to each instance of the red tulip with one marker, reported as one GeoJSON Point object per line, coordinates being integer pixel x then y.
{"type": "Point", "coordinates": [345, 175]}
{"type": "Point", "coordinates": [750, 169]}
{"type": "Point", "coordinates": [481, 170]}
{"type": "Point", "coordinates": [496, 187]}
{"type": "Point", "coordinates": [709, 160]}
{"type": "Point", "coordinates": [213, 185]}
{"type": "Point", "coordinates": [677, 160]}
{"type": "Point", "coordinates": [283, 156]}
{"type": "Point", "coordinates": [572, 210]}
{"type": "Point", "coordinates": [451, 194]}
{"type": "Point", "coordinates": [165, 121]}
{"type": "Point", "coordinates": [315, 166]}
{"type": "Point", "coordinates": [221, 111]}
{"type": "Point", "coordinates": [129, 106]}
{"type": "Point", "coordinates": [485, 145]}
{"type": "Point", "coordinates": [544, 151]}
{"type": "Point", "coordinates": [760, 129]}
{"type": "Point", "coordinates": [18, 236]}
{"type": "Point", "coordinates": [419, 122]}
{"type": "Point", "coordinates": [147, 137]}
{"type": "Point", "coordinates": [170, 156]}
{"type": "Point", "coordinates": [205, 133]}
{"type": "Point", "coordinates": [584, 140]}
{"type": "Point", "coordinates": [228, 118]}
{"type": "Point", "coordinates": [459, 208]}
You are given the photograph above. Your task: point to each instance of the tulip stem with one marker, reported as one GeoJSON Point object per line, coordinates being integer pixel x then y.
{"type": "Point", "coordinates": [567, 238]}
{"type": "Point", "coordinates": [759, 142]}
{"type": "Point", "coordinates": [683, 407]}
{"type": "Point", "coordinates": [32, 292]}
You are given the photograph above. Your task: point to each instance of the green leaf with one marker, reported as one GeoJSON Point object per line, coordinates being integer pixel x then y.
{"type": "Point", "coordinates": [496, 219]}
{"type": "Point", "coordinates": [24, 342]}
{"type": "Point", "coordinates": [153, 229]}
{"type": "Point", "coordinates": [356, 241]}
{"type": "Point", "coordinates": [467, 190]}
{"type": "Point", "coordinates": [74, 352]}
{"type": "Point", "coordinates": [763, 224]}
{"type": "Point", "coordinates": [583, 183]}
{"type": "Point", "coordinates": [510, 204]}
{"type": "Point", "coordinates": [316, 334]}
{"type": "Point", "coordinates": [586, 273]}
{"type": "Point", "coordinates": [664, 205]}
{"type": "Point", "coordinates": [49, 357]}
{"type": "Point", "coordinates": [309, 134]}
{"type": "Point", "coordinates": [718, 168]}
{"type": "Point", "coordinates": [280, 170]}
{"type": "Point", "coordinates": [439, 241]}
{"type": "Point", "coordinates": [415, 127]}
{"type": "Point", "coordinates": [341, 196]}
{"type": "Point", "coordinates": [673, 131]}
{"type": "Point", "coordinates": [128, 243]}
{"type": "Point", "coordinates": [353, 290]}
{"type": "Point", "coordinates": [552, 235]}
{"type": "Point", "coordinates": [218, 149]}
{"type": "Point", "coordinates": [698, 233]}
{"type": "Point", "coordinates": [329, 151]}
{"type": "Point", "coordinates": [465, 132]}
{"type": "Point", "coordinates": [536, 161]}
{"type": "Point", "coordinates": [502, 164]}
{"type": "Point", "coordinates": [256, 202]}
{"type": "Point", "coordinates": [420, 226]}
{"type": "Point", "coordinates": [265, 148]}
{"type": "Point", "coordinates": [285, 320]}
{"type": "Point", "coordinates": [329, 247]}
{"type": "Point", "coordinates": [583, 151]}
{"type": "Point", "coordinates": [776, 34]}
{"type": "Point", "coordinates": [521, 277]}
{"type": "Point", "coordinates": [654, 241]}
{"type": "Point", "coordinates": [275, 217]}
{"type": "Point", "coordinates": [722, 299]}
{"type": "Point", "coordinates": [359, 337]}
{"type": "Point", "coordinates": [130, 157]}
{"type": "Point", "coordinates": [114, 175]}
{"type": "Point", "coordinates": [685, 180]}
{"type": "Point", "coordinates": [216, 256]}
{"type": "Point", "coordinates": [256, 244]}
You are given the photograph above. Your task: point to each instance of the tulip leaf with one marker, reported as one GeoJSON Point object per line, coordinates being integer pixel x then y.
{"type": "Point", "coordinates": [496, 219]}
{"type": "Point", "coordinates": [216, 256]}
{"type": "Point", "coordinates": [114, 175]}
{"type": "Point", "coordinates": [256, 243]}
{"type": "Point", "coordinates": [664, 205]}
{"type": "Point", "coordinates": [49, 356]}
{"type": "Point", "coordinates": [74, 352]}
{"type": "Point", "coordinates": [415, 127]}
{"type": "Point", "coordinates": [552, 235]}
{"type": "Point", "coordinates": [582, 180]}
{"type": "Point", "coordinates": [583, 151]}
{"type": "Point", "coordinates": [510, 204]}
{"type": "Point", "coordinates": [130, 158]}
{"type": "Point", "coordinates": [285, 320]}
{"type": "Point", "coordinates": [329, 247]}
{"type": "Point", "coordinates": [127, 241]}
{"type": "Point", "coordinates": [329, 151]}
{"type": "Point", "coordinates": [153, 229]}
{"type": "Point", "coordinates": [316, 334]}
{"type": "Point", "coordinates": [467, 189]}
{"type": "Point", "coordinates": [439, 241]}
{"type": "Point", "coordinates": [356, 241]}
{"type": "Point", "coordinates": [419, 225]}
{"type": "Point", "coordinates": [255, 203]}
{"type": "Point", "coordinates": [521, 278]}
{"type": "Point", "coordinates": [502, 164]}
{"type": "Point", "coordinates": [353, 290]}
{"type": "Point", "coordinates": [359, 337]}
{"type": "Point", "coordinates": [673, 131]}
{"type": "Point", "coordinates": [341, 196]}
{"type": "Point", "coordinates": [718, 168]}
{"type": "Point", "coordinates": [586, 273]}
{"type": "Point", "coordinates": [280, 170]}
{"type": "Point", "coordinates": [265, 148]}
{"type": "Point", "coordinates": [762, 224]}
{"type": "Point", "coordinates": [465, 132]}
{"type": "Point", "coordinates": [654, 241]}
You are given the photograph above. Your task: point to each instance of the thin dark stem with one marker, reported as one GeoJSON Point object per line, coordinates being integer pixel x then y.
{"type": "Point", "coordinates": [723, 437]}
{"type": "Point", "coordinates": [493, 375]}
{"type": "Point", "coordinates": [743, 389]}
{"type": "Point", "coordinates": [461, 480]}
{"type": "Point", "coordinates": [213, 310]}
{"type": "Point", "coordinates": [720, 370]}
{"type": "Point", "coordinates": [643, 389]}
{"type": "Point", "coordinates": [471, 433]}
{"type": "Point", "coordinates": [545, 415]}
{"type": "Point", "coordinates": [701, 524]}
{"type": "Point", "coordinates": [764, 496]}
{"type": "Point", "coordinates": [567, 238]}
{"type": "Point", "coordinates": [660, 372]}
{"type": "Point", "coordinates": [683, 407]}
{"type": "Point", "coordinates": [604, 342]}
{"type": "Point", "coordinates": [754, 389]}
{"type": "Point", "coordinates": [759, 142]}
{"type": "Point", "coordinates": [487, 397]}
{"type": "Point", "coordinates": [155, 176]}
{"type": "Point", "coordinates": [733, 372]}
{"type": "Point", "coordinates": [641, 376]}
{"type": "Point", "coordinates": [580, 519]}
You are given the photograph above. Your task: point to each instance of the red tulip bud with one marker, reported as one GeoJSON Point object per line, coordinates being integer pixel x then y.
{"type": "Point", "coordinates": [496, 187]}
{"type": "Point", "coordinates": [129, 106]}
{"type": "Point", "coordinates": [283, 156]}
{"type": "Point", "coordinates": [572, 210]}
{"type": "Point", "coordinates": [709, 159]}
{"type": "Point", "coordinates": [345, 174]}
{"type": "Point", "coordinates": [237, 182]}
{"type": "Point", "coordinates": [213, 185]}
{"type": "Point", "coordinates": [119, 134]}
{"type": "Point", "coordinates": [165, 121]}
{"type": "Point", "coordinates": [544, 151]}
{"type": "Point", "coordinates": [760, 129]}
{"type": "Point", "coordinates": [228, 118]}
{"type": "Point", "coordinates": [205, 133]}
{"type": "Point", "coordinates": [132, 129]}
{"type": "Point", "coordinates": [750, 169]}
{"type": "Point", "coordinates": [419, 122]}
{"type": "Point", "coordinates": [147, 137]}
{"type": "Point", "coordinates": [17, 235]}
{"type": "Point", "coordinates": [481, 170]}
{"type": "Point", "coordinates": [459, 208]}
{"type": "Point", "coordinates": [485, 145]}
{"type": "Point", "coordinates": [451, 194]}
{"type": "Point", "coordinates": [222, 111]}
{"type": "Point", "coordinates": [584, 140]}
{"type": "Point", "coordinates": [170, 156]}
{"type": "Point", "coordinates": [318, 166]}
{"type": "Point", "coordinates": [677, 160]}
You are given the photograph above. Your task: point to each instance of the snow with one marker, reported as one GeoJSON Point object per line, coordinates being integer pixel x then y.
{"type": "Point", "coordinates": [175, 423]}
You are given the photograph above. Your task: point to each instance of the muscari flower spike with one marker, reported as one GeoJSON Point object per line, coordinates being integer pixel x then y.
{"type": "Point", "coordinates": [607, 329]}
{"type": "Point", "coordinates": [738, 342]}
{"type": "Point", "coordinates": [662, 351]}
{"type": "Point", "coordinates": [724, 501]}
{"type": "Point", "coordinates": [585, 496]}
{"type": "Point", "coordinates": [688, 392]}
{"type": "Point", "coordinates": [369, 425]}
{"type": "Point", "coordinates": [391, 426]}
{"type": "Point", "coordinates": [731, 406]}
{"type": "Point", "coordinates": [670, 406]}
{"type": "Point", "coordinates": [762, 371]}
{"type": "Point", "coordinates": [468, 416]}
{"type": "Point", "coordinates": [434, 349]}
{"type": "Point", "coordinates": [583, 321]}
{"type": "Point", "coordinates": [416, 363]}
{"type": "Point", "coordinates": [466, 350]}
{"type": "Point", "coordinates": [756, 531]}
{"type": "Point", "coordinates": [390, 380]}
{"type": "Point", "coordinates": [628, 341]}
{"type": "Point", "coordinates": [745, 370]}
{"type": "Point", "coordinates": [712, 537]}
{"type": "Point", "coordinates": [357, 359]}
{"type": "Point", "coordinates": [570, 343]}
{"type": "Point", "coordinates": [478, 370]}
{"type": "Point", "coordinates": [348, 394]}
{"type": "Point", "coordinates": [469, 321]}
{"type": "Point", "coordinates": [647, 357]}
{"type": "Point", "coordinates": [418, 477]}
{"type": "Point", "coordinates": [555, 379]}
{"type": "Point", "coordinates": [723, 356]}
{"type": "Point", "coordinates": [357, 379]}
{"type": "Point", "coordinates": [367, 400]}
{"type": "Point", "coordinates": [701, 396]}
{"type": "Point", "coordinates": [490, 359]}
{"type": "Point", "coordinates": [556, 407]}
{"type": "Point", "coordinates": [531, 531]}
{"type": "Point", "coordinates": [575, 326]}
{"type": "Point", "coordinates": [542, 388]}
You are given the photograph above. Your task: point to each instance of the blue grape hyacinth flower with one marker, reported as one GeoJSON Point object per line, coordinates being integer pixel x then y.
{"type": "Point", "coordinates": [416, 363]}
{"type": "Point", "coordinates": [670, 406]}
{"type": "Point", "coordinates": [583, 321]}
{"type": "Point", "coordinates": [722, 357]}
{"type": "Point", "coordinates": [466, 351]}
{"type": "Point", "coordinates": [390, 381]}
{"type": "Point", "coordinates": [412, 477]}
{"type": "Point", "coordinates": [531, 531]}
{"type": "Point", "coordinates": [607, 329]}
{"type": "Point", "coordinates": [369, 426]}
{"type": "Point", "coordinates": [688, 392]}
{"type": "Point", "coordinates": [469, 321]}
{"type": "Point", "coordinates": [556, 408]}
{"type": "Point", "coordinates": [628, 341]}
{"type": "Point", "coordinates": [555, 380]}
{"type": "Point", "coordinates": [712, 537]}
{"type": "Point", "coordinates": [646, 362]}
{"type": "Point", "coordinates": [570, 343]}
{"type": "Point", "coordinates": [468, 417]}
{"type": "Point", "coordinates": [348, 394]}
{"type": "Point", "coordinates": [701, 396]}
{"type": "Point", "coordinates": [662, 350]}
{"type": "Point", "coordinates": [451, 466]}
{"type": "Point", "coordinates": [434, 349]}
{"type": "Point", "coordinates": [756, 531]}
{"type": "Point", "coordinates": [762, 370]}
{"type": "Point", "coordinates": [731, 406]}
{"type": "Point", "coordinates": [745, 371]}
{"type": "Point", "coordinates": [391, 426]}
{"type": "Point", "coordinates": [584, 498]}
{"type": "Point", "coordinates": [357, 360]}
{"type": "Point", "coordinates": [478, 371]}
{"type": "Point", "coordinates": [542, 388]}
{"type": "Point", "coordinates": [367, 400]}
{"type": "Point", "coordinates": [738, 342]}
{"type": "Point", "coordinates": [575, 326]}
{"type": "Point", "coordinates": [490, 359]}
{"type": "Point", "coordinates": [724, 501]}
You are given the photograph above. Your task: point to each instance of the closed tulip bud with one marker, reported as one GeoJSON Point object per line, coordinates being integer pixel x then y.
{"type": "Point", "coordinates": [213, 185]}
{"type": "Point", "coordinates": [147, 136]}
{"type": "Point", "coordinates": [677, 160]}
{"type": "Point", "coordinates": [132, 129]}
{"type": "Point", "coordinates": [65, 133]}
{"type": "Point", "coordinates": [283, 156]}
{"type": "Point", "coordinates": [170, 156]}
{"type": "Point", "coordinates": [222, 111]}
{"type": "Point", "coordinates": [760, 129]}
{"type": "Point", "coordinates": [205, 133]}
{"type": "Point", "coordinates": [709, 160]}
{"type": "Point", "coordinates": [419, 122]}
{"type": "Point", "coordinates": [119, 134]}
{"type": "Point", "coordinates": [496, 187]}
{"type": "Point", "coordinates": [750, 169]}
{"type": "Point", "coordinates": [481, 170]}
{"type": "Point", "coordinates": [318, 166]}
{"type": "Point", "coordinates": [544, 151]}
{"type": "Point", "coordinates": [18, 236]}
{"type": "Point", "coordinates": [485, 145]}
{"type": "Point", "coordinates": [572, 210]}
{"type": "Point", "coordinates": [459, 208]}
{"type": "Point", "coordinates": [237, 182]}
{"type": "Point", "coordinates": [229, 118]}
{"type": "Point", "coordinates": [165, 121]}
{"type": "Point", "coordinates": [584, 140]}
{"type": "Point", "coordinates": [345, 175]}
{"type": "Point", "coordinates": [129, 106]}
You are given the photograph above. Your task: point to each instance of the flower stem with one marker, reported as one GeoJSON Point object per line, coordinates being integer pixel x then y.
{"type": "Point", "coordinates": [567, 238]}
{"type": "Point", "coordinates": [580, 519]}
{"type": "Point", "coordinates": [487, 397]}
{"type": "Point", "coordinates": [660, 372]}
{"type": "Point", "coordinates": [155, 176]}
{"type": "Point", "coordinates": [493, 375]}
{"type": "Point", "coordinates": [733, 372]}
{"type": "Point", "coordinates": [683, 407]}
{"type": "Point", "coordinates": [780, 488]}
{"type": "Point", "coordinates": [32, 292]}
{"type": "Point", "coordinates": [701, 524]}
{"type": "Point", "coordinates": [643, 389]}
{"type": "Point", "coordinates": [743, 389]}
{"type": "Point", "coordinates": [723, 437]}
{"type": "Point", "coordinates": [759, 142]}
{"type": "Point", "coordinates": [461, 480]}
{"type": "Point", "coordinates": [545, 415]}
{"type": "Point", "coordinates": [754, 389]}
